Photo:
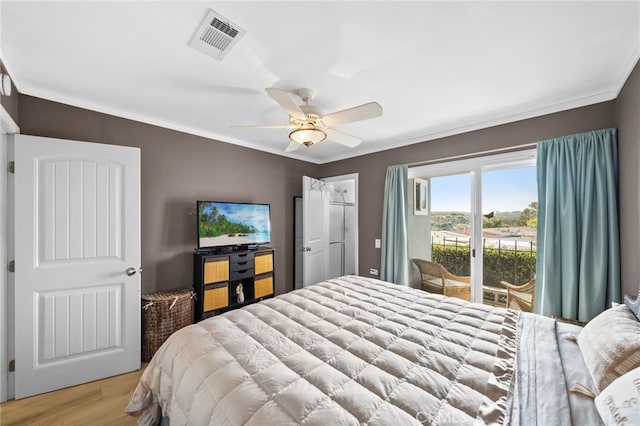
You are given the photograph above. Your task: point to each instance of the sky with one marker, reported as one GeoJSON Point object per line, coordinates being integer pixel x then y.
{"type": "Point", "coordinates": [502, 190]}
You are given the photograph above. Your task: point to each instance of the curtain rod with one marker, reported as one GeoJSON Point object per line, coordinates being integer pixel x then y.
{"type": "Point", "coordinates": [513, 148]}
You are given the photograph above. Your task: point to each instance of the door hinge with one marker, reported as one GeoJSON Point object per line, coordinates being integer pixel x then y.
{"type": "Point", "coordinates": [12, 266]}
{"type": "Point", "coordinates": [12, 167]}
{"type": "Point", "coordinates": [12, 366]}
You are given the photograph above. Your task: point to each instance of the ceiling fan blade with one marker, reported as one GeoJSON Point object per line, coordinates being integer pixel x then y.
{"type": "Point", "coordinates": [292, 146]}
{"type": "Point", "coordinates": [342, 138]}
{"type": "Point", "coordinates": [287, 102]}
{"type": "Point", "coordinates": [263, 127]}
{"type": "Point", "coordinates": [361, 112]}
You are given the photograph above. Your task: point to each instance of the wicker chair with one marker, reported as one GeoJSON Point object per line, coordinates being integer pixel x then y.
{"type": "Point", "coordinates": [436, 279]}
{"type": "Point", "coordinates": [521, 297]}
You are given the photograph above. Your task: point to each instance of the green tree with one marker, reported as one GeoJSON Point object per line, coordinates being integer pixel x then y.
{"type": "Point", "coordinates": [214, 224]}
{"type": "Point", "coordinates": [529, 216]}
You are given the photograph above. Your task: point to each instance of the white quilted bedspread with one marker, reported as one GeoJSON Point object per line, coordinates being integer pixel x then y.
{"type": "Point", "coordinates": [347, 351]}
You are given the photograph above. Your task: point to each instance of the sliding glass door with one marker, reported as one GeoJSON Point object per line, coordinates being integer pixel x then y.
{"type": "Point", "coordinates": [451, 228]}
{"type": "Point", "coordinates": [475, 220]}
{"type": "Point", "coordinates": [509, 229]}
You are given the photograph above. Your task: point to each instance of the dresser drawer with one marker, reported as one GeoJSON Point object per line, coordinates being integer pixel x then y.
{"type": "Point", "coordinates": [216, 270]}
{"type": "Point", "coordinates": [263, 263]}
{"type": "Point", "coordinates": [241, 257]}
{"type": "Point", "coordinates": [241, 266]}
{"type": "Point", "coordinates": [263, 287]}
{"type": "Point", "coordinates": [240, 275]}
{"type": "Point", "coordinates": [216, 297]}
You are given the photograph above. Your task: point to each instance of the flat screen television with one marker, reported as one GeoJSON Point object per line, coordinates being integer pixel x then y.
{"type": "Point", "coordinates": [228, 224]}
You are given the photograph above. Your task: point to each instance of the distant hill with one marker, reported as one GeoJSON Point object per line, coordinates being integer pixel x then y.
{"type": "Point", "coordinates": [449, 221]}
{"type": "Point", "coordinates": [452, 221]}
{"type": "Point", "coordinates": [514, 216]}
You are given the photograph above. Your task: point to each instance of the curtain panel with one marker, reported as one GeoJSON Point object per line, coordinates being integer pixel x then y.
{"type": "Point", "coordinates": [394, 263]}
{"type": "Point", "coordinates": [578, 263]}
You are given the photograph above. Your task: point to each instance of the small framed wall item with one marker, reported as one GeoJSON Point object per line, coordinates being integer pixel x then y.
{"type": "Point", "coordinates": [420, 196]}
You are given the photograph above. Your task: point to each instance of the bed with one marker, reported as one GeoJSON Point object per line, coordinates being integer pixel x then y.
{"type": "Point", "coordinates": [355, 350]}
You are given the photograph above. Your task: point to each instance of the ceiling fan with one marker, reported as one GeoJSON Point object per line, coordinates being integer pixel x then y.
{"type": "Point", "coordinates": [309, 126]}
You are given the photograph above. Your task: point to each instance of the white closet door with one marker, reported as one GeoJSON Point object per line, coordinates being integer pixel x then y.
{"type": "Point", "coordinates": [315, 262]}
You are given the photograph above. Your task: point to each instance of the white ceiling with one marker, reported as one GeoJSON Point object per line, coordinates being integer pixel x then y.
{"type": "Point", "coordinates": [437, 68]}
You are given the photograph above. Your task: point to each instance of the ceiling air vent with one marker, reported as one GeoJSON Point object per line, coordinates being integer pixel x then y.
{"type": "Point", "coordinates": [215, 35]}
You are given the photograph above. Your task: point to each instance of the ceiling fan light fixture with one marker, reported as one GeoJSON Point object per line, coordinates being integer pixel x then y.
{"type": "Point", "coordinates": [307, 135]}
{"type": "Point", "coordinates": [309, 126]}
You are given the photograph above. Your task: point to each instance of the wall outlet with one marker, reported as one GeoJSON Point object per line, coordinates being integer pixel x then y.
{"type": "Point", "coordinates": [373, 271]}
{"type": "Point", "coordinates": [377, 243]}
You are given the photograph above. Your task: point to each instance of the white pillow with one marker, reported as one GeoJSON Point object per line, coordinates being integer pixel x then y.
{"type": "Point", "coordinates": [610, 345]}
{"type": "Point", "coordinates": [619, 403]}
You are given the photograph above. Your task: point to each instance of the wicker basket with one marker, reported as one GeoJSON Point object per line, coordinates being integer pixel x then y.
{"type": "Point", "coordinates": [162, 314]}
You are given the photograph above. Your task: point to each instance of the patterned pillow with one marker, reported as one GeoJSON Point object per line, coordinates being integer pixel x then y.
{"type": "Point", "coordinates": [619, 403]}
{"type": "Point", "coordinates": [633, 305]}
{"type": "Point", "coordinates": [610, 345]}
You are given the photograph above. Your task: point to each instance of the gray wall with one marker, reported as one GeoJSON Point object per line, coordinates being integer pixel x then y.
{"type": "Point", "coordinates": [628, 123]}
{"type": "Point", "coordinates": [372, 168]}
{"type": "Point", "coordinates": [177, 170]}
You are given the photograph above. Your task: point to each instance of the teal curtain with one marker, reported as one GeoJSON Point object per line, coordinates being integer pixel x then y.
{"type": "Point", "coordinates": [394, 265]}
{"type": "Point", "coordinates": [578, 265]}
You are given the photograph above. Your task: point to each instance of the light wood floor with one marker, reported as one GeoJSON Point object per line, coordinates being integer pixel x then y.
{"type": "Point", "coordinates": [96, 403]}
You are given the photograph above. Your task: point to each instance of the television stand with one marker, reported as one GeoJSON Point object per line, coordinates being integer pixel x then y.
{"type": "Point", "coordinates": [220, 278]}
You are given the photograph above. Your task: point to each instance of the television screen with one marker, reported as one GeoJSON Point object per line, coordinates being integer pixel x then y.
{"type": "Point", "coordinates": [233, 224]}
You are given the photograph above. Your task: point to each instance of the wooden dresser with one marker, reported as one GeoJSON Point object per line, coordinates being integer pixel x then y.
{"type": "Point", "coordinates": [220, 278]}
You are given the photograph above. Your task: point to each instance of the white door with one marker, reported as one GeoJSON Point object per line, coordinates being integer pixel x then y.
{"type": "Point", "coordinates": [77, 256]}
{"type": "Point", "coordinates": [315, 262]}
{"type": "Point", "coordinates": [5, 128]}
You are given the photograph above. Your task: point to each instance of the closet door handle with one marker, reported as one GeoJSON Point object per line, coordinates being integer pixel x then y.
{"type": "Point", "coordinates": [131, 271]}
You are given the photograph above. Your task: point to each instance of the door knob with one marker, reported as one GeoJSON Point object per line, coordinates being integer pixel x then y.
{"type": "Point", "coordinates": [131, 271]}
